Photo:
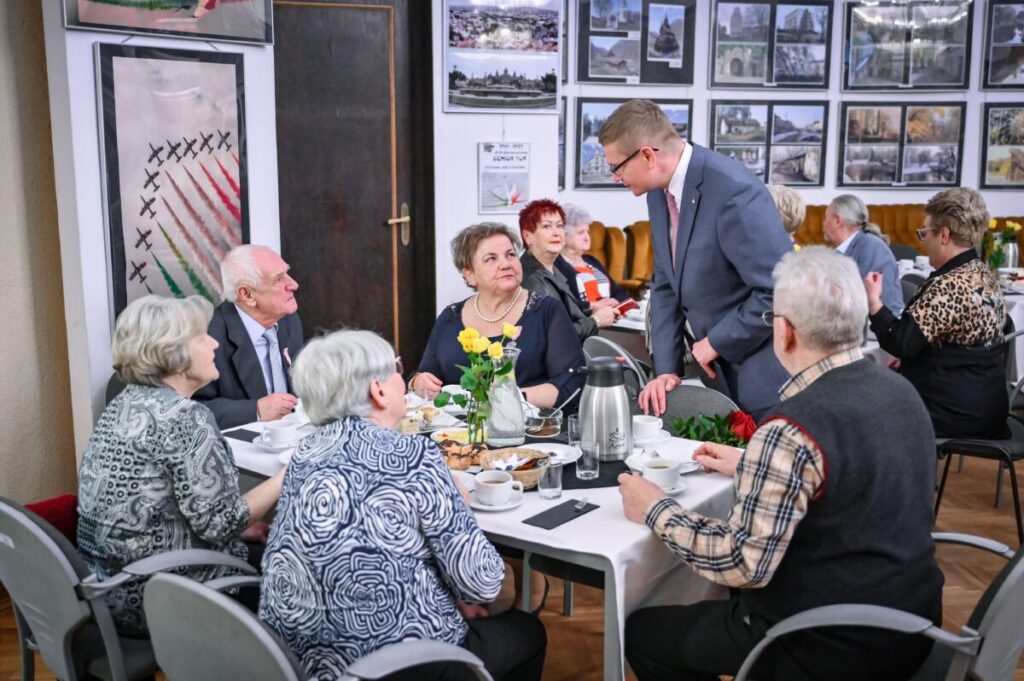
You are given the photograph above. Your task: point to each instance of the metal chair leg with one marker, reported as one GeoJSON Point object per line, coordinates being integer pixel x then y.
{"type": "Point", "coordinates": [942, 485]}
{"type": "Point", "coordinates": [567, 598]}
{"type": "Point", "coordinates": [999, 484]}
{"type": "Point", "coordinates": [960, 464]}
{"type": "Point", "coordinates": [1016, 501]}
{"type": "Point", "coordinates": [25, 643]}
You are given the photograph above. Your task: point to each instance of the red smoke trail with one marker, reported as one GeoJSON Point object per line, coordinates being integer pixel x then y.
{"type": "Point", "coordinates": [214, 245]}
{"type": "Point", "coordinates": [232, 208]}
{"type": "Point", "coordinates": [227, 176]}
{"type": "Point", "coordinates": [212, 275]}
{"type": "Point", "coordinates": [236, 159]}
{"type": "Point", "coordinates": [226, 232]}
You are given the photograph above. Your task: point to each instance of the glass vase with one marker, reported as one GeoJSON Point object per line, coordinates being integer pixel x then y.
{"type": "Point", "coordinates": [507, 425]}
{"type": "Point", "coordinates": [477, 414]}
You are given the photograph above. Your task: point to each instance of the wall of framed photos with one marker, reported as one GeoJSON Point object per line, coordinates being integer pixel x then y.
{"type": "Point", "coordinates": [806, 152]}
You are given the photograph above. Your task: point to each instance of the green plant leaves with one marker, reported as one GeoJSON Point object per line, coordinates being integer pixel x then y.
{"type": "Point", "coordinates": [706, 429]}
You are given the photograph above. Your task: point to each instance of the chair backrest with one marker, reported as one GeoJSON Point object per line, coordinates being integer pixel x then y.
{"type": "Point", "coordinates": [686, 400]}
{"type": "Point", "coordinates": [598, 346]}
{"type": "Point", "coordinates": [597, 239]}
{"type": "Point", "coordinates": [615, 248]}
{"type": "Point", "coordinates": [40, 569]}
{"type": "Point", "coordinates": [903, 251]}
{"type": "Point", "coordinates": [114, 387]}
{"type": "Point", "coordinates": [641, 251]}
{"type": "Point", "coordinates": [199, 634]}
{"type": "Point", "coordinates": [914, 278]}
{"type": "Point", "coordinates": [997, 617]}
{"type": "Point", "coordinates": [910, 289]}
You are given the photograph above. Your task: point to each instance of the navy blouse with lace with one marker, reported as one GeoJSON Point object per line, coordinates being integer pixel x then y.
{"type": "Point", "coordinates": [549, 344]}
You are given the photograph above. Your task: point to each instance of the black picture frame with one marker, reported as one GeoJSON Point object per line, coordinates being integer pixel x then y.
{"type": "Point", "coordinates": [759, 133]}
{"type": "Point", "coordinates": [562, 129]}
{"type": "Point", "coordinates": [891, 145]}
{"type": "Point", "coordinates": [592, 172]}
{"type": "Point", "coordinates": [891, 45]}
{"type": "Point", "coordinates": [250, 23]}
{"type": "Point", "coordinates": [642, 63]}
{"type": "Point", "coordinates": [796, 55]}
{"type": "Point", "coordinates": [1002, 149]}
{"type": "Point", "coordinates": [190, 217]}
{"type": "Point", "coordinates": [1003, 65]}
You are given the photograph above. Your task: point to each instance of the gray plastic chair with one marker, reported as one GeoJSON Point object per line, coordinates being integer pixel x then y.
{"type": "Point", "coordinates": [60, 607]}
{"type": "Point", "coordinates": [598, 346]}
{"type": "Point", "coordinates": [986, 649]}
{"type": "Point", "coordinates": [910, 289]}
{"type": "Point", "coordinates": [686, 400]}
{"type": "Point", "coordinates": [224, 640]}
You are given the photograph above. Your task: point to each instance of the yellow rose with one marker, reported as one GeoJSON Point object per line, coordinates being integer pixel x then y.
{"type": "Point", "coordinates": [992, 223]}
{"type": "Point", "coordinates": [467, 348]}
{"type": "Point", "coordinates": [480, 345]}
{"type": "Point", "coordinates": [495, 350]}
{"type": "Point", "coordinates": [468, 335]}
{"type": "Point", "coordinates": [508, 331]}
{"type": "Point", "coordinates": [1013, 225]}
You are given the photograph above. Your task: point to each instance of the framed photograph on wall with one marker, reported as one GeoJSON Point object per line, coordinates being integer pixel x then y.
{"type": "Point", "coordinates": [635, 42]}
{"type": "Point", "coordinates": [561, 142]}
{"type": "Point", "coordinates": [765, 43]}
{"type": "Point", "coordinates": [592, 171]}
{"type": "Point", "coordinates": [1003, 67]}
{"type": "Point", "coordinates": [1002, 147]}
{"type": "Point", "coordinates": [892, 45]}
{"type": "Point", "coordinates": [901, 144]}
{"type": "Point", "coordinates": [241, 21]}
{"type": "Point", "coordinates": [780, 142]}
{"type": "Point", "coordinates": [502, 59]}
{"type": "Point", "coordinates": [174, 168]}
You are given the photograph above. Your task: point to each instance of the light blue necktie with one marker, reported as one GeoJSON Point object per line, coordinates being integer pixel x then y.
{"type": "Point", "coordinates": [278, 382]}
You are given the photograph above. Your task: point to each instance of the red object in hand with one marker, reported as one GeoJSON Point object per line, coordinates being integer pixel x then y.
{"type": "Point", "coordinates": [742, 425]}
{"type": "Point", "coordinates": [627, 305]}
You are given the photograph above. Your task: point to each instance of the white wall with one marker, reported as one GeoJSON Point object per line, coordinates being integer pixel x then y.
{"type": "Point", "coordinates": [456, 135]}
{"type": "Point", "coordinates": [76, 143]}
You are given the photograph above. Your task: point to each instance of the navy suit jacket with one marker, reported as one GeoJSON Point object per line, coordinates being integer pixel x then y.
{"type": "Point", "coordinates": [730, 238]}
{"type": "Point", "coordinates": [874, 255]}
{"type": "Point", "coordinates": [232, 397]}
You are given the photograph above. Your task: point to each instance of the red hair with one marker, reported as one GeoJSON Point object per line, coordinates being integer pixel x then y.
{"type": "Point", "coordinates": [530, 216]}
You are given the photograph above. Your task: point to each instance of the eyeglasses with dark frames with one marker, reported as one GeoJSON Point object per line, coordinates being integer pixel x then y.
{"type": "Point", "coordinates": [924, 230]}
{"type": "Point", "coordinates": [769, 316]}
{"type": "Point", "coordinates": [617, 170]}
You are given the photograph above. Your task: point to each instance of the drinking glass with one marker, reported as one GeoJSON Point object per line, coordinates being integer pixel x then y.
{"type": "Point", "coordinates": [550, 484]}
{"type": "Point", "coordinates": [588, 466]}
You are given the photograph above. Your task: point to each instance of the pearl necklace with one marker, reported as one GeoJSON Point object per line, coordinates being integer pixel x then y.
{"type": "Point", "coordinates": [476, 306]}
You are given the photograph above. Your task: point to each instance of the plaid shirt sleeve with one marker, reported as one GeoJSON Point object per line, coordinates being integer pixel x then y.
{"type": "Point", "coordinates": [780, 473]}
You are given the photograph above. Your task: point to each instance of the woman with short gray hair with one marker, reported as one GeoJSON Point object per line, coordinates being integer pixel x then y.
{"type": "Point", "coordinates": [157, 474]}
{"type": "Point", "coordinates": [587, 277]}
{"type": "Point", "coordinates": [949, 337]}
{"type": "Point", "coordinates": [373, 543]}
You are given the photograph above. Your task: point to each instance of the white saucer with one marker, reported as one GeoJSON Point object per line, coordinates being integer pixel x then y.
{"type": "Point", "coordinates": [516, 500]}
{"type": "Point", "coordinates": [266, 446]}
{"type": "Point", "coordinates": [677, 489]}
{"type": "Point", "coordinates": [563, 454]}
{"type": "Point", "coordinates": [635, 465]}
{"type": "Point", "coordinates": [663, 436]}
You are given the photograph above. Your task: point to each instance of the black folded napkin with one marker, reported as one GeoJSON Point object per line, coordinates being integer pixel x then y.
{"type": "Point", "coordinates": [563, 513]}
{"type": "Point", "coordinates": [242, 434]}
{"type": "Point", "coordinates": [608, 476]}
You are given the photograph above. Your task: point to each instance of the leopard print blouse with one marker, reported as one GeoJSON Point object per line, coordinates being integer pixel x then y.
{"type": "Point", "coordinates": [963, 307]}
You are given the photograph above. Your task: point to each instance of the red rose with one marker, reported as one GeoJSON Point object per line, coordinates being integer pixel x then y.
{"type": "Point", "coordinates": [742, 425]}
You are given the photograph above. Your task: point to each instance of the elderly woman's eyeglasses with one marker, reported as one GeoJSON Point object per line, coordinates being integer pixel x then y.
{"type": "Point", "coordinates": [617, 170]}
{"type": "Point", "coordinates": [924, 230]}
{"type": "Point", "coordinates": [768, 316]}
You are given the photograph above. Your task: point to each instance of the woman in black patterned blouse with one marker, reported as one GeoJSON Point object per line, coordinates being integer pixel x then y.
{"type": "Point", "coordinates": [949, 337]}
{"type": "Point", "coordinates": [157, 475]}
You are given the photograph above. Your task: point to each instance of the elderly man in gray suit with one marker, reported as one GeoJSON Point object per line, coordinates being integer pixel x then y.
{"type": "Point", "coordinates": [717, 236]}
{"type": "Point", "coordinates": [846, 225]}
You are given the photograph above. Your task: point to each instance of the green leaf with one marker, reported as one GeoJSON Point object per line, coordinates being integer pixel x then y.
{"type": "Point", "coordinates": [468, 382]}
{"type": "Point", "coordinates": [443, 398]}
{"type": "Point", "coordinates": [505, 368]}
{"type": "Point", "coordinates": [460, 400]}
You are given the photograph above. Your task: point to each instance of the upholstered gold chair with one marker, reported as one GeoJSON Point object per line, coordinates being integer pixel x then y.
{"type": "Point", "coordinates": [597, 242]}
{"type": "Point", "coordinates": [639, 257]}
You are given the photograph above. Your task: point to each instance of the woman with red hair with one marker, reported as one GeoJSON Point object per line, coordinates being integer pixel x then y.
{"type": "Point", "coordinates": [542, 224]}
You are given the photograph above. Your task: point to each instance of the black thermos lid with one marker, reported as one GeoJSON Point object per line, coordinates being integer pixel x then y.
{"type": "Point", "coordinates": [605, 372]}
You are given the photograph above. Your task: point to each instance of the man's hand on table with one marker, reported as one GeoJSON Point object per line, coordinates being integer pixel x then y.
{"type": "Point", "coordinates": [637, 495]}
{"type": "Point", "coordinates": [275, 406]}
{"type": "Point", "coordinates": [652, 397]}
{"type": "Point", "coordinates": [717, 458]}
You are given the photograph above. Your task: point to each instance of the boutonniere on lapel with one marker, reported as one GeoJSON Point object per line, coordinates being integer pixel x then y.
{"type": "Point", "coordinates": [287, 357]}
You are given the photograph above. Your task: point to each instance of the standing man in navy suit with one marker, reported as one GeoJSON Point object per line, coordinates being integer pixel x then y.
{"type": "Point", "coordinates": [260, 333]}
{"type": "Point", "coordinates": [717, 237]}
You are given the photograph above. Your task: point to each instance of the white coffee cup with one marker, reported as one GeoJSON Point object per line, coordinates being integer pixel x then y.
{"type": "Point", "coordinates": [281, 432]}
{"type": "Point", "coordinates": [495, 488]}
{"type": "Point", "coordinates": [662, 472]}
{"type": "Point", "coordinates": [921, 261]}
{"type": "Point", "coordinates": [646, 427]}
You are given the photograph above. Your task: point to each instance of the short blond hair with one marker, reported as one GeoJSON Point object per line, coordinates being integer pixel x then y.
{"type": "Point", "coordinates": [152, 334]}
{"type": "Point", "coordinates": [962, 211]}
{"type": "Point", "coordinates": [792, 208]}
{"type": "Point", "coordinates": [637, 123]}
{"type": "Point", "coordinates": [466, 242]}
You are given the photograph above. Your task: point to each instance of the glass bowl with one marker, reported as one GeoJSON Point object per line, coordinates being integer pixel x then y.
{"type": "Point", "coordinates": [544, 422]}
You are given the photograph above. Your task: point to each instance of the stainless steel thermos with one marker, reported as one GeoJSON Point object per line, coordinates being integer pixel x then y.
{"type": "Point", "coordinates": [606, 422]}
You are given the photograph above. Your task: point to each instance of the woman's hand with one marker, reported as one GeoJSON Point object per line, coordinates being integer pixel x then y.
{"type": "Point", "coordinates": [605, 316]}
{"type": "Point", "coordinates": [873, 287]}
{"type": "Point", "coordinates": [717, 458]}
{"type": "Point", "coordinates": [426, 385]}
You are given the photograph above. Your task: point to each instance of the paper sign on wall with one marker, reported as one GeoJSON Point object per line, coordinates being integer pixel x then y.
{"type": "Point", "coordinates": [504, 176]}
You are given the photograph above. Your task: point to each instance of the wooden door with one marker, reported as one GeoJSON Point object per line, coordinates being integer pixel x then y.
{"type": "Point", "coordinates": [354, 145]}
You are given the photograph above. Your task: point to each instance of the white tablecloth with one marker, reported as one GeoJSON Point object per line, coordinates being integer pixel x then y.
{"type": "Point", "coordinates": [639, 570]}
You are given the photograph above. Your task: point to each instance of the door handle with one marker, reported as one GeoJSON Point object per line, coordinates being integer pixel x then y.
{"type": "Point", "coordinates": [405, 221]}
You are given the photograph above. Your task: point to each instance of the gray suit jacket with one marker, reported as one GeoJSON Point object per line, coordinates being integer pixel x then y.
{"type": "Point", "coordinates": [730, 237]}
{"type": "Point", "coordinates": [232, 397]}
{"type": "Point", "coordinates": [874, 255]}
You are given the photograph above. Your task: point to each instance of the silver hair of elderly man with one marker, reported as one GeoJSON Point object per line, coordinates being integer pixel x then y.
{"type": "Point", "coordinates": [239, 269]}
{"type": "Point", "coordinates": [333, 373]}
{"type": "Point", "coordinates": [822, 295]}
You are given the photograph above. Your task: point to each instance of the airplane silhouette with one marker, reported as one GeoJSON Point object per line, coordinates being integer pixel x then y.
{"type": "Point", "coordinates": [155, 154]}
{"type": "Point", "coordinates": [189, 146]}
{"type": "Point", "coordinates": [206, 141]}
{"type": "Point", "coordinates": [137, 271]}
{"type": "Point", "coordinates": [143, 238]}
{"type": "Point", "coordinates": [173, 151]}
{"type": "Point", "coordinates": [151, 180]}
{"type": "Point", "coordinates": [224, 140]}
{"type": "Point", "coordinates": [146, 206]}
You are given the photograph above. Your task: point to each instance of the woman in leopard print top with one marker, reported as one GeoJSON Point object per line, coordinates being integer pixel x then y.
{"type": "Point", "coordinates": [949, 337]}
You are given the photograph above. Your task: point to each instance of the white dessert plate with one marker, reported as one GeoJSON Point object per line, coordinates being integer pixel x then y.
{"type": "Point", "coordinates": [271, 447]}
{"type": "Point", "coordinates": [560, 453]}
{"type": "Point", "coordinates": [662, 436]}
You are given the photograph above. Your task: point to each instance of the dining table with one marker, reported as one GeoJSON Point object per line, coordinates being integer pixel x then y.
{"type": "Point", "coordinates": [639, 570]}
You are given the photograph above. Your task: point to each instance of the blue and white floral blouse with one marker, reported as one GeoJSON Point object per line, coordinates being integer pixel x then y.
{"type": "Point", "coordinates": [372, 544]}
{"type": "Point", "coordinates": [157, 476]}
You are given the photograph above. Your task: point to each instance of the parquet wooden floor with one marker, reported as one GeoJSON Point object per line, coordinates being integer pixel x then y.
{"type": "Point", "coordinates": [574, 643]}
